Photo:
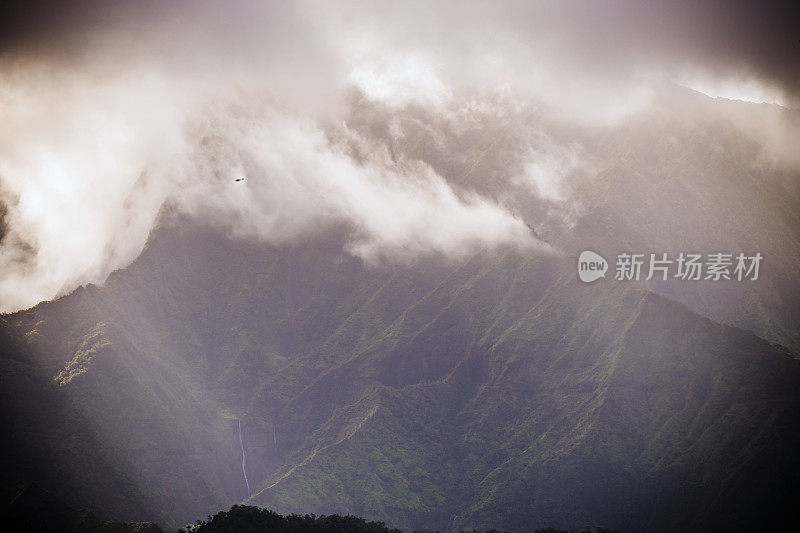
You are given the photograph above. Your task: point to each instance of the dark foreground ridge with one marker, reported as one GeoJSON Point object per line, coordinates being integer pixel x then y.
{"type": "Point", "coordinates": [249, 519]}
{"type": "Point", "coordinates": [34, 510]}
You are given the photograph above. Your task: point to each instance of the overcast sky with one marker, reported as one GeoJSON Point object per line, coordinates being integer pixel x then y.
{"type": "Point", "coordinates": [726, 39]}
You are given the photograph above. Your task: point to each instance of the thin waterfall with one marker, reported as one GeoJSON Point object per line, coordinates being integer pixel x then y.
{"type": "Point", "coordinates": [244, 469]}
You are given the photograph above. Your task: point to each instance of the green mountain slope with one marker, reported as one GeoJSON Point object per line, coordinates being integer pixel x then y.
{"type": "Point", "coordinates": [497, 392]}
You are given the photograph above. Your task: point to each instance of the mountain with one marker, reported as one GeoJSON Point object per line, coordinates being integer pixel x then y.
{"type": "Point", "coordinates": [35, 510]}
{"type": "Point", "coordinates": [688, 174]}
{"type": "Point", "coordinates": [499, 392]}
{"type": "Point", "coordinates": [492, 391]}
{"type": "Point", "coordinates": [98, 417]}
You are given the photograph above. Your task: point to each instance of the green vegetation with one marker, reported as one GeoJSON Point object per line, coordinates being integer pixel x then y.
{"type": "Point", "coordinates": [495, 393]}
{"type": "Point", "coordinates": [33, 510]}
{"type": "Point", "coordinates": [249, 519]}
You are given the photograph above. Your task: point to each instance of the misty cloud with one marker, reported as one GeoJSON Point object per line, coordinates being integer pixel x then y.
{"type": "Point", "coordinates": [92, 163]}
{"type": "Point", "coordinates": [548, 167]}
{"type": "Point", "coordinates": [299, 179]}
{"type": "Point", "coordinates": [113, 110]}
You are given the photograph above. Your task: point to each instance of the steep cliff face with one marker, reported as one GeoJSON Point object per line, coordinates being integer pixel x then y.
{"type": "Point", "coordinates": [497, 392]}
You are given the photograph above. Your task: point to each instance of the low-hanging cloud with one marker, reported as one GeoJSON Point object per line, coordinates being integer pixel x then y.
{"type": "Point", "coordinates": [112, 110]}
{"type": "Point", "coordinates": [86, 166]}
{"type": "Point", "coordinates": [299, 179]}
